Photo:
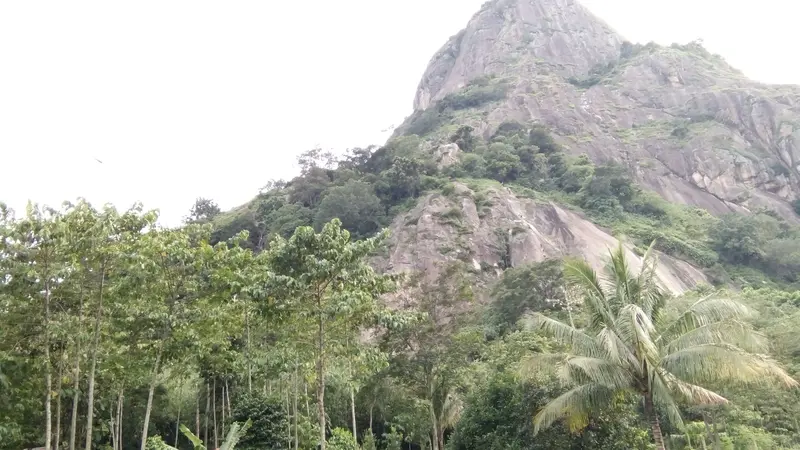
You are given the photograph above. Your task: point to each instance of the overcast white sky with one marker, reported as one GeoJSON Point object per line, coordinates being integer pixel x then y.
{"type": "Point", "coordinates": [181, 99]}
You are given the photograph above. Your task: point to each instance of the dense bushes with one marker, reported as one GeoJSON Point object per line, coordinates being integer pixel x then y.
{"type": "Point", "coordinates": [477, 93]}
{"type": "Point", "coordinates": [473, 96]}
{"type": "Point", "coordinates": [364, 189]}
{"type": "Point", "coordinates": [498, 416]}
{"type": "Point", "coordinates": [530, 288]}
{"type": "Point", "coordinates": [269, 422]}
{"type": "Point", "coordinates": [356, 205]}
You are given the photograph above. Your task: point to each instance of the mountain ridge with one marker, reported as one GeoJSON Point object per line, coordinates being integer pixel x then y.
{"type": "Point", "coordinates": [691, 127]}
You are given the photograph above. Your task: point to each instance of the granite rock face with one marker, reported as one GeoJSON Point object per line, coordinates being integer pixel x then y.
{"type": "Point", "coordinates": [691, 127]}
{"type": "Point", "coordinates": [492, 229]}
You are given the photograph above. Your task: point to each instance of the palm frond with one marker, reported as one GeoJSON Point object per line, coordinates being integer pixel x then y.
{"type": "Point", "coordinates": [635, 327]}
{"type": "Point", "coordinates": [733, 332]}
{"type": "Point", "coordinates": [575, 405]}
{"type": "Point", "coordinates": [691, 393]}
{"type": "Point", "coordinates": [584, 370]}
{"type": "Point", "coordinates": [707, 310]}
{"type": "Point", "coordinates": [650, 296]}
{"type": "Point", "coordinates": [620, 277]}
{"type": "Point", "coordinates": [538, 363]}
{"type": "Point", "coordinates": [580, 274]}
{"type": "Point", "coordinates": [724, 362]}
{"type": "Point", "coordinates": [616, 349]}
{"type": "Point", "coordinates": [663, 400]}
{"type": "Point", "coordinates": [451, 411]}
{"type": "Point", "coordinates": [580, 342]}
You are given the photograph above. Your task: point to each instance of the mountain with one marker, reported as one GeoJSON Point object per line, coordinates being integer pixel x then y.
{"type": "Point", "coordinates": [687, 124]}
{"type": "Point", "coordinates": [539, 132]}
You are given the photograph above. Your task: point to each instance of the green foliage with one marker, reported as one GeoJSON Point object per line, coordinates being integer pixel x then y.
{"type": "Point", "coordinates": [501, 163]}
{"type": "Point", "coordinates": [474, 96]}
{"type": "Point", "coordinates": [237, 431]}
{"type": "Point", "coordinates": [609, 191]}
{"type": "Point", "coordinates": [369, 441]}
{"type": "Point", "coordinates": [633, 346]}
{"type": "Point", "coordinates": [393, 440]}
{"type": "Point", "coordinates": [464, 139]}
{"type": "Point", "coordinates": [355, 205]}
{"type": "Point", "coordinates": [342, 439]}
{"type": "Point", "coordinates": [424, 122]}
{"type": "Point", "coordinates": [742, 238]}
{"type": "Point", "coordinates": [323, 279]}
{"type": "Point", "coordinates": [521, 290]}
{"type": "Point", "coordinates": [156, 443]}
{"type": "Point", "coordinates": [269, 422]}
{"type": "Point", "coordinates": [497, 416]}
{"type": "Point", "coordinates": [203, 211]}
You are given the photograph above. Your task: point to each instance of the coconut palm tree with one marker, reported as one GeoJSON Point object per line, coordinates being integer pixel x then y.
{"type": "Point", "coordinates": [631, 346]}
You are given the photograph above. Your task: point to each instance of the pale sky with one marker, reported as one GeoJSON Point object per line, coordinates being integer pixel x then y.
{"type": "Point", "coordinates": [181, 99]}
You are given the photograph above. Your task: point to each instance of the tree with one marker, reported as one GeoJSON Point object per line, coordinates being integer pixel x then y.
{"type": "Point", "coordinates": [464, 138]}
{"type": "Point", "coordinates": [742, 238]}
{"type": "Point", "coordinates": [203, 211]}
{"type": "Point", "coordinates": [501, 163]}
{"type": "Point", "coordinates": [402, 180]}
{"type": "Point", "coordinates": [530, 288]}
{"type": "Point", "coordinates": [324, 280]}
{"type": "Point", "coordinates": [355, 205]}
{"type": "Point", "coordinates": [32, 265]}
{"type": "Point", "coordinates": [609, 188]}
{"type": "Point", "coordinates": [432, 357]}
{"type": "Point", "coordinates": [630, 347]}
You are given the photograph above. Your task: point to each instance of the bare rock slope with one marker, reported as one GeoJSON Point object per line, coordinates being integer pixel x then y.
{"type": "Point", "coordinates": [690, 126]}
{"type": "Point", "coordinates": [490, 228]}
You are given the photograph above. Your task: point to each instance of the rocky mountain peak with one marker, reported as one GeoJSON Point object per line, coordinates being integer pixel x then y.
{"type": "Point", "coordinates": [685, 123]}
{"type": "Point", "coordinates": [560, 34]}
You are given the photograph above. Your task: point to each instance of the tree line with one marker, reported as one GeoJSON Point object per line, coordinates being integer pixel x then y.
{"type": "Point", "coordinates": [116, 333]}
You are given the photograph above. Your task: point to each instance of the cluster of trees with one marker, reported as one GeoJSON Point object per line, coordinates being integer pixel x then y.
{"type": "Point", "coordinates": [112, 324]}
{"type": "Point", "coordinates": [117, 333]}
{"type": "Point", "coordinates": [364, 189]}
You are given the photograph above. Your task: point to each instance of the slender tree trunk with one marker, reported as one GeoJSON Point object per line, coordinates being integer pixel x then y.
{"type": "Point", "coordinates": [223, 413]}
{"type": "Point", "coordinates": [57, 435]}
{"type": "Point", "coordinates": [247, 349]}
{"type": "Point", "coordinates": [120, 422]}
{"type": "Point", "coordinates": [197, 413]}
{"type": "Point", "coordinates": [214, 412]}
{"type": "Point", "coordinates": [116, 422]}
{"type": "Point", "coordinates": [228, 396]}
{"type": "Point", "coordinates": [321, 381]}
{"type": "Point", "coordinates": [655, 425]}
{"type": "Point", "coordinates": [284, 393]}
{"type": "Point", "coordinates": [208, 408]}
{"type": "Point", "coordinates": [48, 377]}
{"type": "Point", "coordinates": [371, 407]}
{"type": "Point", "coordinates": [73, 426]}
{"type": "Point", "coordinates": [93, 367]}
{"type": "Point", "coordinates": [113, 429]}
{"type": "Point", "coordinates": [305, 390]}
{"type": "Point", "coordinates": [353, 411]}
{"type": "Point", "coordinates": [296, 426]}
{"type": "Point", "coordinates": [435, 428]}
{"type": "Point", "coordinates": [178, 422]}
{"type": "Point", "coordinates": [151, 391]}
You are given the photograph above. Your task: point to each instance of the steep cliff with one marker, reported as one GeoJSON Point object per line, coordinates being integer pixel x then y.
{"type": "Point", "coordinates": [688, 125]}
{"type": "Point", "coordinates": [490, 228]}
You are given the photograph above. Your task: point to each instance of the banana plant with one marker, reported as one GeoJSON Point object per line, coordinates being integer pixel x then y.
{"type": "Point", "coordinates": [234, 435]}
